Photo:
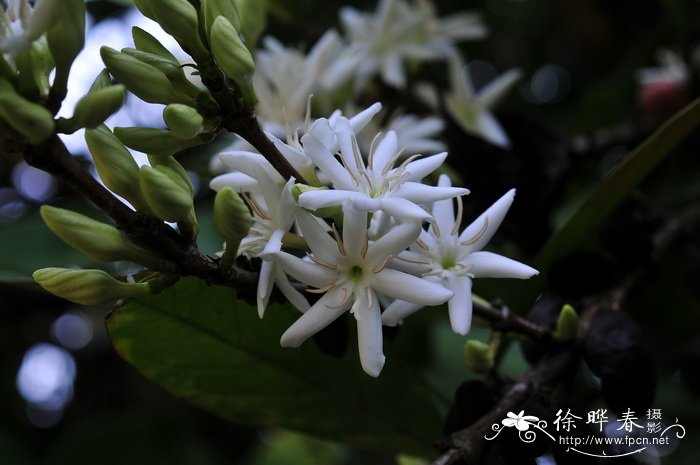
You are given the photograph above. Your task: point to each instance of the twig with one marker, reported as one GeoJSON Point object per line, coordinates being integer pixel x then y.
{"type": "Point", "coordinates": [465, 446]}
{"type": "Point", "coordinates": [505, 320]}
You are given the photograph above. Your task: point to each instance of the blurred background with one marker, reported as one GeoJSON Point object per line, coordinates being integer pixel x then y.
{"type": "Point", "coordinates": [582, 104]}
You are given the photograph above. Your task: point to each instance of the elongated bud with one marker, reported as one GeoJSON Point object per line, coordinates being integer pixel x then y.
{"type": "Point", "coordinates": [179, 19]}
{"type": "Point", "coordinates": [232, 219]}
{"type": "Point", "coordinates": [65, 37]}
{"type": "Point", "coordinates": [567, 324]}
{"type": "Point", "coordinates": [253, 19]}
{"type": "Point", "coordinates": [171, 163]}
{"type": "Point", "coordinates": [101, 81]}
{"type": "Point", "coordinates": [172, 70]}
{"type": "Point", "coordinates": [233, 57]}
{"type": "Point", "coordinates": [41, 63]}
{"type": "Point", "coordinates": [183, 121]}
{"type": "Point", "coordinates": [98, 105]}
{"type": "Point", "coordinates": [87, 287]}
{"type": "Point", "coordinates": [31, 120]}
{"type": "Point", "coordinates": [149, 44]}
{"type": "Point", "coordinates": [99, 241]}
{"type": "Point", "coordinates": [212, 9]}
{"type": "Point", "coordinates": [168, 198]}
{"type": "Point", "coordinates": [156, 141]}
{"type": "Point", "coordinates": [41, 18]}
{"type": "Point", "coordinates": [325, 212]}
{"type": "Point", "coordinates": [144, 80]}
{"type": "Point", "coordinates": [478, 356]}
{"type": "Point", "coordinates": [115, 165]}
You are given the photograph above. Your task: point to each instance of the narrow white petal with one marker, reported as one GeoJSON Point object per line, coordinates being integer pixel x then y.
{"type": "Point", "coordinates": [424, 194]}
{"type": "Point", "coordinates": [482, 229]}
{"type": "Point", "coordinates": [491, 130]}
{"type": "Point", "coordinates": [443, 210]}
{"type": "Point", "coordinates": [274, 244]}
{"type": "Point", "coordinates": [40, 18]}
{"type": "Point", "coordinates": [491, 265]}
{"type": "Point", "coordinates": [365, 203]}
{"type": "Point", "coordinates": [404, 210]}
{"type": "Point", "coordinates": [385, 151]}
{"type": "Point", "coordinates": [313, 200]}
{"type": "Point", "coordinates": [369, 335]}
{"type": "Point", "coordinates": [290, 292]}
{"type": "Point", "coordinates": [265, 282]}
{"type": "Point", "coordinates": [354, 230]}
{"type": "Point", "coordinates": [321, 244]}
{"type": "Point", "coordinates": [491, 94]}
{"type": "Point", "coordinates": [398, 311]}
{"type": "Point", "coordinates": [393, 242]}
{"type": "Point", "coordinates": [326, 162]}
{"type": "Point", "coordinates": [322, 131]}
{"type": "Point", "coordinates": [460, 305]}
{"type": "Point", "coordinates": [320, 315]}
{"type": "Point", "coordinates": [410, 288]}
{"type": "Point", "coordinates": [392, 71]}
{"type": "Point", "coordinates": [422, 167]}
{"type": "Point", "coordinates": [362, 119]}
{"type": "Point", "coordinates": [305, 272]}
{"type": "Point", "coordinates": [237, 181]}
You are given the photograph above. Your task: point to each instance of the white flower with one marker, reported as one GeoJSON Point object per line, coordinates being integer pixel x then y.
{"type": "Point", "coordinates": [374, 186]}
{"type": "Point", "coordinates": [273, 210]}
{"type": "Point", "coordinates": [285, 78]}
{"type": "Point", "coordinates": [397, 31]}
{"type": "Point", "coordinates": [414, 134]}
{"type": "Point", "coordinates": [22, 24]}
{"type": "Point", "coordinates": [350, 271]}
{"type": "Point", "coordinates": [452, 258]}
{"type": "Point", "coordinates": [471, 109]}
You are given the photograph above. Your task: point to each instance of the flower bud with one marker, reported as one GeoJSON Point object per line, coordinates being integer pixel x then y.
{"type": "Point", "coordinates": [567, 324]}
{"type": "Point", "coordinates": [233, 57]}
{"type": "Point", "coordinates": [172, 70]}
{"type": "Point", "coordinates": [65, 37]}
{"type": "Point", "coordinates": [87, 287]}
{"type": "Point", "coordinates": [101, 81]}
{"type": "Point", "coordinates": [334, 211]}
{"type": "Point", "coordinates": [232, 219]}
{"type": "Point", "coordinates": [179, 19]}
{"type": "Point", "coordinates": [31, 120]}
{"type": "Point", "coordinates": [253, 15]}
{"type": "Point", "coordinates": [99, 241]}
{"type": "Point", "coordinates": [183, 121]}
{"type": "Point", "coordinates": [478, 356]}
{"type": "Point", "coordinates": [115, 165]}
{"type": "Point", "coordinates": [212, 9]}
{"type": "Point", "coordinates": [172, 164]}
{"type": "Point", "coordinates": [156, 141]}
{"type": "Point", "coordinates": [146, 81]}
{"type": "Point", "coordinates": [145, 42]}
{"type": "Point", "coordinates": [98, 105]}
{"type": "Point", "coordinates": [164, 191]}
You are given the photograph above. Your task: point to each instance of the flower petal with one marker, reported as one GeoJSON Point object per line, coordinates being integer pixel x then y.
{"type": "Point", "coordinates": [265, 282]}
{"type": "Point", "coordinates": [393, 242]}
{"type": "Point", "coordinates": [443, 210]}
{"type": "Point", "coordinates": [423, 193]}
{"type": "Point", "coordinates": [362, 119]}
{"type": "Point", "coordinates": [304, 271]}
{"type": "Point", "coordinates": [238, 181]}
{"type": "Point", "coordinates": [290, 292]}
{"type": "Point", "coordinates": [460, 305]}
{"type": "Point", "coordinates": [404, 210]}
{"type": "Point", "coordinates": [320, 315]}
{"type": "Point", "coordinates": [491, 265]}
{"type": "Point", "coordinates": [410, 288]}
{"type": "Point", "coordinates": [329, 166]}
{"type": "Point", "coordinates": [354, 231]}
{"type": "Point", "coordinates": [397, 311]}
{"type": "Point", "coordinates": [482, 229]}
{"type": "Point", "coordinates": [384, 152]}
{"type": "Point", "coordinates": [369, 334]}
{"type": "Point", "coordinates": [420, 168]}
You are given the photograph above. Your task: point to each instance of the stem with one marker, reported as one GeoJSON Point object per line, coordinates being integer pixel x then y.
{"type": "Point", "coordinates": [465, 446]}
{"type": "Point", "coordinates": [502, 319]}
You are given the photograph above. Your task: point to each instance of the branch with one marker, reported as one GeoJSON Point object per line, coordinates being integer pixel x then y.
{"type": "Point", "coordinates": [465, 446]}
{"type": "Point", "coordinates": [504, 319]}
{"type": "Point", "coordinates": [145, 231]}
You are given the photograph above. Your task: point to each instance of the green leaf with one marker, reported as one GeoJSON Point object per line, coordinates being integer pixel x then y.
{"type": "Point", "coordinates": [205, 346]}
{"type": "Point", "coordinates": [608, 195]}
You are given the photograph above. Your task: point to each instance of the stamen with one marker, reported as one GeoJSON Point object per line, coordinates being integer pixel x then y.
{"type": "Point", "coordinates": [372, 147]}
{"type": "Point", "coordinates": [319, 262]}
{"type": "Point", "coordinates": [323, 289]}
{"type": "Point", "coordinates": [307, 117]}
{"type": "Point", "coordinates": [382, 265]}
{"type": "Point", "coordinates": [347, 168]}
{"type": "Point", "coordinates": [255, 206]}
{"type": "Point", "coordinates": [356, 154]}
{"type": "Point", "coordinates": [365, 246]}
{"type": "Point", "coordinates": [478, 235]}
{"type": "Point", "coordinates": [346, 296]}
{"type": "Point", "coordinates": [339, 241]}
{"type": "Point", "coordinates": [422, 245]}
{"type": "Point", "coordinates": [413, 260]}
{"type": "Point", "coordinates": [389, 165]}
{"type": "Point", "coordinates": [436, 229]}
{"type": "Point", "coordinates": [458, 217]}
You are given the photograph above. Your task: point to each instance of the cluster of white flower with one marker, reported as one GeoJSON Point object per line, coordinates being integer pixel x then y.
{"type": "Point", "coordinates": [360, 225]}
{"type": "Point", "coordinates": [383, 44]}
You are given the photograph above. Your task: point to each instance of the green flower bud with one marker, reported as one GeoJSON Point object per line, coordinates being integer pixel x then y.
{"type": "Point", "coordinates": [65, 38]}
{"type": "Point", "coordinates": [232, 219]}
{"type": "Point", "coordinates": [253, 19]}
{"type": "Point", "coordinates": [335, 211]}
{"type": "Point", "coordinates": [164, 191]}
{"type": "Point", "coordinates": [101, 81]}
{"type": "Point", "coordinates": [567, 324]}
{"type": "Point", "coordinates": [98, 105]}
{"type": "Point", "coordinates": [146, 81]}
{"type": "Point", "coordinates": [171, 163]}
{"type": "Point", "coordinates": [179, 19]}
{"type": "Point", "coordinates": [478, 356]}
{"type": "Point", "coordinates": [115, 165]}
{"type": "Point", "coordinates": [156, 141]}
{"type": "Point", "coordinates": [145, 42]}
{"type": "Point", "coordinates": [99, 241]}
{"type": "Point", "coordinates": [40, 65]}
{"type": "Point", "coordinates": [87, 287]}
{"type": "Point", "coordinates": [233, 57]}
{"type": "Point", "coordinates": [212, 9]}
{"type": "Point", "coordinates": [183, 121]}
{"type": "Point", "coordinates": [31, 120]}
{"type": "Point", "coordinates": [172, 70]}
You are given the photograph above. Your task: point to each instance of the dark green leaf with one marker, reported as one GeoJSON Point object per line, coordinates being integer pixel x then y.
{"type": "Point", "coordinates": [205, 346]}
